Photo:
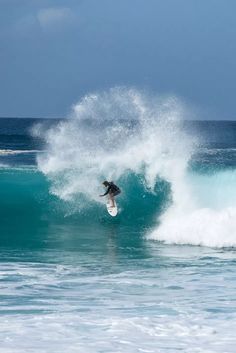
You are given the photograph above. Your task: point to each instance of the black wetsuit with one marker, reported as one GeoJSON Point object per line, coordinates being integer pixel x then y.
{"type": "Point", "coordinates": [112, 189]}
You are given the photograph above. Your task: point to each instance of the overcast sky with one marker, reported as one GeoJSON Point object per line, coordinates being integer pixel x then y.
{"type": "Point", "coordinates": [52, 52]}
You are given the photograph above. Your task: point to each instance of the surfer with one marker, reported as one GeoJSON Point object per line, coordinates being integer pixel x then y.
{"type": "Point", "coordinates": [112, 190]}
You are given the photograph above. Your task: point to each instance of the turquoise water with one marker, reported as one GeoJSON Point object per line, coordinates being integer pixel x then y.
{"type": "Point", "coordinates": [160, 277]}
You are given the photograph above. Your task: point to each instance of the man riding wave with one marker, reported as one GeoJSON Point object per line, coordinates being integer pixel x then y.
{"type": "Point", "coordinates": [112, 190]}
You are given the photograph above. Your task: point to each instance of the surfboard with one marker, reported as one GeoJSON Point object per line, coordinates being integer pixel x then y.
{"type": "Point", "coordinates": [112, 210]}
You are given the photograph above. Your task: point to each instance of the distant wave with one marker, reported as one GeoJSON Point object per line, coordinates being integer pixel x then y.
{"type": "Point", "coordinates": [6, 152]}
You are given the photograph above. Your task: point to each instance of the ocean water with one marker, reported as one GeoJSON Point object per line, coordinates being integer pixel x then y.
{"type": "Point", "coordinates": [161, 276]}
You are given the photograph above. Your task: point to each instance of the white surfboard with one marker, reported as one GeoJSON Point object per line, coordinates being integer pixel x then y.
{"type": "Point", "coordinates": [112, 210]}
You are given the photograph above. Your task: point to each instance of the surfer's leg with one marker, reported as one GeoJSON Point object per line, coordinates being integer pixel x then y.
{"type": "Point", "coordinates": [112, 199]}
{"type": "Point", "coordinates": [112, 196]}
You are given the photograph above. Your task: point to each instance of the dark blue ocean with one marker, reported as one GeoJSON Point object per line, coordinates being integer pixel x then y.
{"type": "Point", "coordinates": [159, 277]}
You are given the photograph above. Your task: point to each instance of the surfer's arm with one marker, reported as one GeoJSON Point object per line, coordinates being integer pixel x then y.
{"type": "Point", "coordinates": [107, 192]}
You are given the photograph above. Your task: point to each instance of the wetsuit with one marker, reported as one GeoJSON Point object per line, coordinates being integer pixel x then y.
{"type": "Point", "coordinates": [112, 189]}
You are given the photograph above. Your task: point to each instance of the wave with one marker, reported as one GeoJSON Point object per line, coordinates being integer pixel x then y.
{"type": "Point", "coordinates": [110, 134]}
{"type": "Point", "coordinates": [138, 141]}
{"type": "Point", "coordinates": [7, 152]}
{"type": "Point", "coordinates": [209, 219]}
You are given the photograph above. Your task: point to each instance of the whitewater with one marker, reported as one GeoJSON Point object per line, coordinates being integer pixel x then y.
{"type": "Point", "coordinates": [159, 277]}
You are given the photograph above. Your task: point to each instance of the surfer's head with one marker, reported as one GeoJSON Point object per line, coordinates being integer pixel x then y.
{"type": "Point", "coordinates": [106, 183]}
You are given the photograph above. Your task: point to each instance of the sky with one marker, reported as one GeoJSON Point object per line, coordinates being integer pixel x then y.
{"type": "Point", "coordinates": [53, 52]}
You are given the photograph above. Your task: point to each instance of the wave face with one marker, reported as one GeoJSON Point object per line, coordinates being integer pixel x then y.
{"type": "Point", "coordinates": [167, 179]}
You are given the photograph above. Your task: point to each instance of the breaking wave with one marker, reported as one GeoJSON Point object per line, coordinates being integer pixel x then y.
{"type": "Point", "coordinates": [139, 142]}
